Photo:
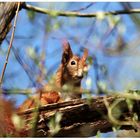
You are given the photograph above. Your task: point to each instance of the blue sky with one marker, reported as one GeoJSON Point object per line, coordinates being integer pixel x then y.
{"type": "Point", "coordinates": [123, 69]}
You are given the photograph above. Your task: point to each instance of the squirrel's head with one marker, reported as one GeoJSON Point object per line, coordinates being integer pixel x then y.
{"type": "Point", "coordinates": [74, 66]}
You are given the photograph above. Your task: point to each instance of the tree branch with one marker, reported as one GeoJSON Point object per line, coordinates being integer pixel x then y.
{"type": "Point", "coordinates": [79, 117]}
{"type": "Point", "coordinates": [77, 14]}
{"type": "Point", "coordinates": [10, 45]}
{"type": "Point", "coordinates": [7, 13]}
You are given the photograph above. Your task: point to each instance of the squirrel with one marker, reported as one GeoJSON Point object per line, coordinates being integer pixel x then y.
{"type": "Point", "coordinates": [69, 74]}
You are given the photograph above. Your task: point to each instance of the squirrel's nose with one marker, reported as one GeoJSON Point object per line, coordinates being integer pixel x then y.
{"type": "Point", "coordinates": [80, 73]}
{"type": "Point", "coordinates": [80, 76]}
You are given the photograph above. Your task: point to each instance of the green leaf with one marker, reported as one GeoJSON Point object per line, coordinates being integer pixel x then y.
{"type": "Point", "coordinates": [31, 52]}
{"type": "Point", "coordinates": [100, 15]}
{"type": "Point", "coordinates": [88, 82]}
{"type": "Point", "coordinates": [135, 117]}
{"type": "Point", "coordinates": [48, 24]}
{"type": "Point", "coordinates": [102, 85]}
{"type": "Point", "coordinates": [116, 112]}
{"type": "Point", "coordinates": [90, 60]}
{"type": "Point", "coordinates": [98, 135]}
{"type": "Point", "coordinates": [54, 123]}
{"type": "Point", "coordinates": [57, 25]}
{"type": "Point", "coordinates": [129, 104]}
{"type": "Point", "coordinates": [53, 14]}
{"type": "Point", "coordinates": [17, 121]}
{"type": "Point", "coordinates": [116, 128]}
{"type": "Point", "coordinates": [113, 20]}
{"type": "Point", "coordinates": [31, 15]}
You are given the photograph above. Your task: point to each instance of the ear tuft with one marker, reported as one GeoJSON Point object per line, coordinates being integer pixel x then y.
{"type": "Point", "coordinates": [67, 52]}
{"type": "Point", "coordinates": [85, 55]}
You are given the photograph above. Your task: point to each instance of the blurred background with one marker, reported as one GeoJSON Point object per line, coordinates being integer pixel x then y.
{"type": "Point", "coordinates": [113, 43]}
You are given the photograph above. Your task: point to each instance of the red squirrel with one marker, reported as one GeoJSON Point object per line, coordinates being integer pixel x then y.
{"type": "Point", "coordinates": [69, 73]}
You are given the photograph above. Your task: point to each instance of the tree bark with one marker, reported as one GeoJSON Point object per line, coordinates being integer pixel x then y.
{"type": "Point", "coordinates": [7, 13]}
{"type": "Point", "coordinates": [79, 117]}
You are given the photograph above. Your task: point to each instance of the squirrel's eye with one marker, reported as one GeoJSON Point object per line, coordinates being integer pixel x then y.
{"type": "Point", "coordinates": [73, 63]}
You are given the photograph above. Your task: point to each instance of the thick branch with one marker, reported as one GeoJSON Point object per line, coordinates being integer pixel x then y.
{"type": "Point", "coordinates": [77, 14]}
{"type": "Point", "coordinates": [7, 13]}
{"type": "Point", "coordinates": [80, 118]}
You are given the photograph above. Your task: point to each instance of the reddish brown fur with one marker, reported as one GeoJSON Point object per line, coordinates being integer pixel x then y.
{"type": "Point", "coordinates": [67, 74]}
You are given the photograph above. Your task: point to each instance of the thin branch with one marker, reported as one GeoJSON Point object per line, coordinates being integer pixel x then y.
{"type": "Point", "coordinates": [23, 64]}
{"type": "Point", "coordinates": [84, 8]}
{"type": "Point", "coordinates": [17, 91]}
{"type": "Point", "coordinates": [77, 14]}
{"type": "Point", "coordinates": [10, 45]}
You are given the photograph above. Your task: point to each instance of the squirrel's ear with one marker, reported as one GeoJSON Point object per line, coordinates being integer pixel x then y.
{"type": "Point", "coordinates": [85, 55]}
{"type": "Point", "coordinates": [67, 52]}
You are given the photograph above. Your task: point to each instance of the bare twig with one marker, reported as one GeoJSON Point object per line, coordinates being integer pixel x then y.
{"type": "Point", "coordinates": [42, 74]}
{"type": "Point", "coordinates": [10, 45]}
{"type": "Point", "coordinates": [77, 14]}
{"type": "Point", "coordinates": [83, 8]}
{"type": "Point", "coordinates": [23, 64]}
{"type": "Point", "coordinates": [17, 91]}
